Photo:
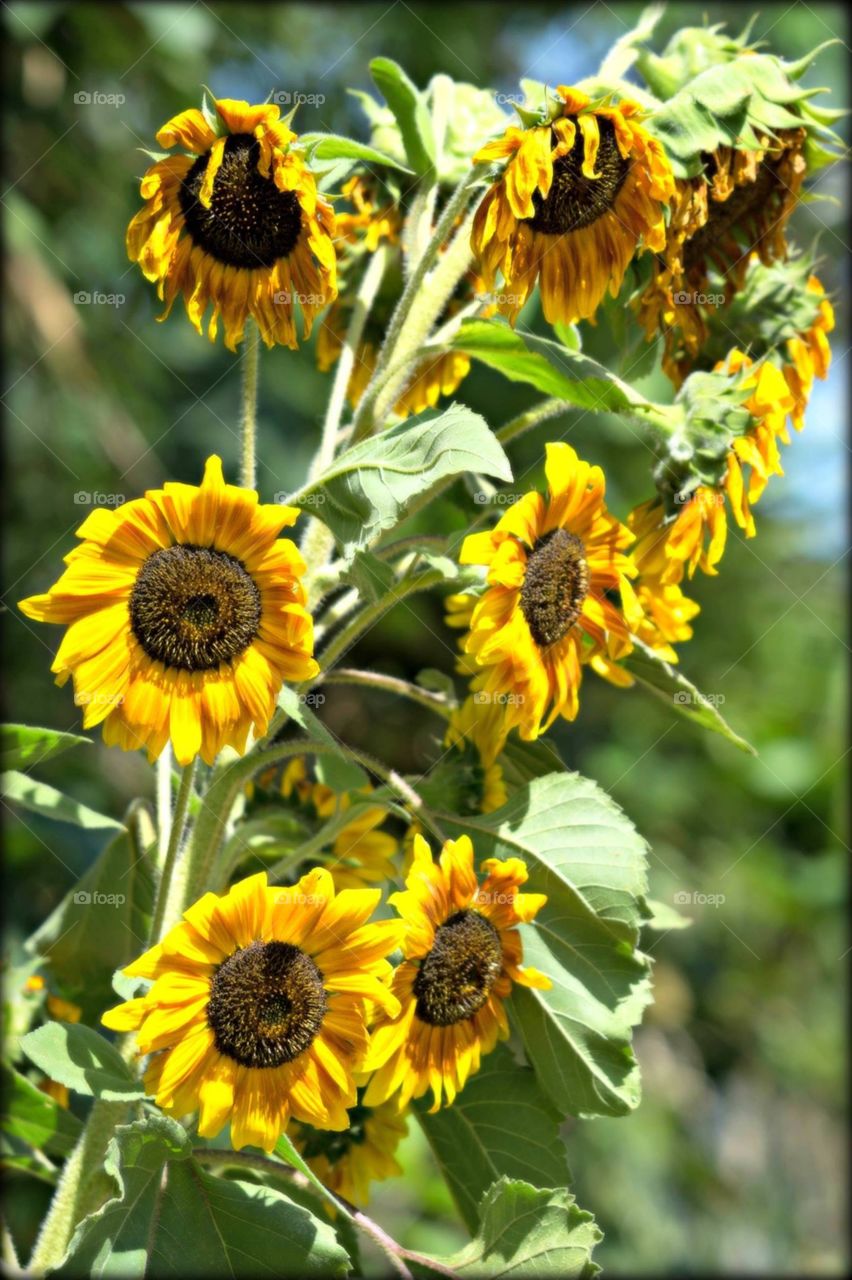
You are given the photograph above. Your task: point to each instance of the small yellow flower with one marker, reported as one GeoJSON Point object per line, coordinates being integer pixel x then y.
{"type": "Point", "coordinates": [462, 954]}
{"type": "Point", "coordinates": [257, 1008]}
{"type": "Point", "coordinates": [185, 613]}
{"type": "Point", "coordinates": [809, 355]}
{"type": "Point", "coordinates": [237, 223]}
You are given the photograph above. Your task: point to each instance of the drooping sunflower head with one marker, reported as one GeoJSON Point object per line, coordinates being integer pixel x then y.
{"type": "Point", "coordinates": [256, 1011]}
{"type": "Point", "coordinates": [185, 613]}
{"type": "Point", "coordinates": [578, 195]}
{"type": "Point", "coordinates": [347, 1161]}
{"type": "Point", "coordinates": [741, 203]}
{"type": "Point", "coordinates": [462, 954]}
{"type": "Point", "coordinates": [478, 730]}
{"type": "Point", "coordinates": [237, 223]}
{"type": "Point", "coordinates": [552, 565]}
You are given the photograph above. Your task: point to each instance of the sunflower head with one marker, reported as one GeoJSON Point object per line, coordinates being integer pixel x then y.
{"type": "Point", "coordinates": [234, 220]}
{"type": "Point", "coordinates": [348, 1160]}
{"type": "Point", "coordinates": [553, 564]}
{"type": "Point", "coordinates": [256, 1010]}
{"type": "Point", "coordinates": [185, 612]}
{"type": "Point", "coordinates": [578, 194]}
{"type": "Point", "coordinates": [462, 954]}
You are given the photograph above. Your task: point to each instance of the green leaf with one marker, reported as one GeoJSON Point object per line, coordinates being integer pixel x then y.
{"type": "Point", "coordinates": [23, 745]}
{"type": "Point", "coordinates": [333, 146]}
{"type": "Point", "coordinates": [412, 114]}
{"type": "Point", "coordinates": [663, 917]}
{"type": "Point", "coordinates": [585, 854]}
{"type": "Point", "coordinates": [50, 803]}
{"type": "Point", "coordinates": [548, 366]}
{"type": "Point", "coordinates": [500, 1124]}
{"type": "Point", "coordinates": [36, 1118]}
{"type": "Point", "coordinates": [669, 684]}
{"type": "Point", "coordinates": [165, 1202]}
{"type": "Point", "coordinates": [83, 1060]}
{"type": "Point", "coordinates": [367, 489]}
{"type": "Point", "coordinates": [528, 1231]}
{"type": "Point", "coordinates": [100, 925]}
{"type": "Point", "coordinates": [372, 577]}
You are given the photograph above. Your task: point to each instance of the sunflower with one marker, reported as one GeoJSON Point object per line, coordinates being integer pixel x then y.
{"type": "Point", "coordinates": [809, 355]}
{"type": "Point", "coordinates": [347, 1161]}
{"type": "Point", "coordinates": [552, 563]}
{"type": "Point", "coordinates": [462, 953]}
{"type": "Point", "coordinates": [185, 614]}
{"type": "Point", "coordinates": [257, 1008]}
{"type": "Point", "coordinates": [478, 728]}
{"type": "Point", "coordinates": [742, 203]}
{"type": "Point", "coordinates": [238, 223]}
{"type": "Point", "coordinates": [695, 537]}
{"type": "Point", "coordinates": [578, 195]}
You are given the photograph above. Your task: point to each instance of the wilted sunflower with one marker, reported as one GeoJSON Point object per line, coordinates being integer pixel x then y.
{"type": "Point", "coordinates": [717, 219]}
{"type": "Point", "coordinates": [462, 953]}
{"type": "Point", "coordinates": [667, 547]}
{"type": "Point", "coordinates": [238, 223]}
{"type": "Point", "coordinates": [185, 614]}
{"type": "Point", "coordinates": [349, 1160]}
{"type": "Point", "coordinates": [257, 1009]}
{"type": "Point", "coordinates": [552, 563]}
{"type": "Point", "coordinates": [578, 196]}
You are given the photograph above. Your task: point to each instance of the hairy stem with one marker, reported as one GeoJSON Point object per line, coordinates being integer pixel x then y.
{"type": "Point", "coordinates": [391, 684]}
{"type": "Point", "coordinates": [164, 801]}
{"type": "Point", "coordinates": [171, 891]}
{"type": "Point", "coordinates": [248, 426]}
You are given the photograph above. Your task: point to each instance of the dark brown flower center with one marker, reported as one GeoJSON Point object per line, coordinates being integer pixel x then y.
{"type": "Point", "coordinates": [575, 201]}
{"type": "Point", "coordinates": [193, 608]}
{"type": "Point", "coordinates": [748, 213]}
{"type": "Point", "coordinates": [455, 978]}
{"type": "Point", "coordinates": [267, 1003]}
{"type": "Point", "coordinates": [556, 582]}
{"type": "Point", "coordinates": [250, 223]}
{"type": "Point", "coordinates": [332, 1144]}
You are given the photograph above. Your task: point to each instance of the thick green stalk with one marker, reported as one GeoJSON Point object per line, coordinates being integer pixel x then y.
{"type": "Point", "coordinates": [170, 901]}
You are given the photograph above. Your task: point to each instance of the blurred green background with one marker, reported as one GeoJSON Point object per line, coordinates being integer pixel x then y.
{"type": "Point", "coordinates": [736, 1159]}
